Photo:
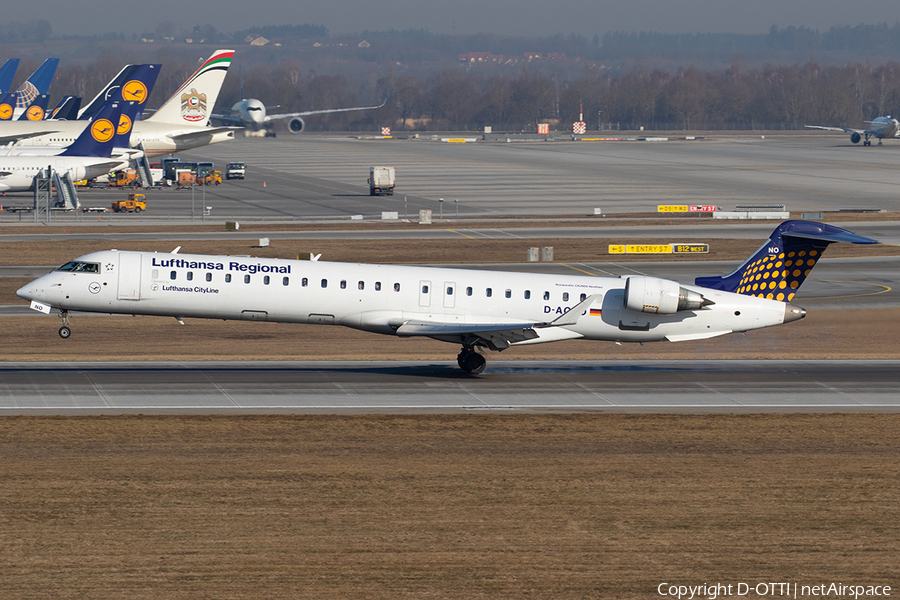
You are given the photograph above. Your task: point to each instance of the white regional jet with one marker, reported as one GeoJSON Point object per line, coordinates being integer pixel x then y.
{"type": "Point", "coordinates": [476, 309]}
{"type": "Point", "coordinates": [882, 127]}
{"type": "Point", "coordinates": [179, 124]}
{"type": "Point", "coordinates": [87, 157]}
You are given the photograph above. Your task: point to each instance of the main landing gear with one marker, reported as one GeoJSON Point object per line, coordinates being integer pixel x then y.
{"type": "Point", "coordinates": [64, 331]}
{"type": "Point", "coordinates": [470, 361]}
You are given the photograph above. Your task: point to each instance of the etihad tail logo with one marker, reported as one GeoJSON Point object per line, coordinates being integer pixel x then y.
{"type": "Point", "coordinates": [124, 125]}
{"type": "Point", "coordinates": [102, 130]}
{"type": "Point", "coordinates": [193, 106]}
{"type": "Point", "coordinates": [6, 112]}
{"type": "Point", "coordinates": [135, 90]}
{"type": "Point", "coordinates": [34, 113]}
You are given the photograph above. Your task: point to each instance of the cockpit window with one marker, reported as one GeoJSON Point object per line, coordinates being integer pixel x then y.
{"type": "Point", "coordinates": [77, 266]}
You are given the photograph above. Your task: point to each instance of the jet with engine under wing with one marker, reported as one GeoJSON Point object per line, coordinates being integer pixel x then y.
{"type": "Point", "coordinates": [475, 309]}
{"type": "Point", "coordinates": [881, 127]}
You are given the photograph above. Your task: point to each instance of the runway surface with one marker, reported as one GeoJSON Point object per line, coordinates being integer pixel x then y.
{"type": "Point", "coordinates": [440, 387]}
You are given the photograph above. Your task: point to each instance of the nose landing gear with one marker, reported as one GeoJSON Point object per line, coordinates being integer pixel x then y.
{"type": "Point", "coordinates": [470, 361]}
{"type": "Point", "coordinates": [64, 331]}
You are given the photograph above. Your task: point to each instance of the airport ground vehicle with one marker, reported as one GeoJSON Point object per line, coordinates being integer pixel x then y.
{"type": "Point", "coordinates": [381, 181]}
{"type": "Point", "coordinates": [234, 170]}
{"type": "Point", "coordinates": [135, 203]}
{"type": "Point", "coordinates": [126, 178]}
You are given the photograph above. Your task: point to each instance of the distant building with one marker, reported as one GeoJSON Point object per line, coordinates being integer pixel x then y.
{"type": "Point", "coordinates": [364, 44]}
{"type": "Point", "coordinates": [532, 55]}
{"type": "Point", "coordinates": [260, 41]}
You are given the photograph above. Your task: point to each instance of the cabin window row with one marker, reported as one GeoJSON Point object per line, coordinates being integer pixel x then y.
{"type": "Point", "coordinates": [361, 285]}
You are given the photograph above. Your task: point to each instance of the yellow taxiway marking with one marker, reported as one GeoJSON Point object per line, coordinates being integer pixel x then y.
{"type": "Point", "coordinates": [886, 289]}
{"type": "Point", "coordinates": [577, 269]}
{"type": "Point", "coordinates": [460, 233]}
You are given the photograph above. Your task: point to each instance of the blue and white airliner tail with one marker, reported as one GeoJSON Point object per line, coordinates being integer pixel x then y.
{"type": "Point", "coordinates": [780, 266]}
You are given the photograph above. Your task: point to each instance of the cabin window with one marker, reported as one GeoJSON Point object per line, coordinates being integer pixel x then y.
{"type": "Point", "coordinates": [324, 283]}
{"type": "Point", "coordinates": [424, 289]}
{"type": "Point", "coordinates": [343, 284]}
{"type": "Point", "coordinates": [285, 280]}
{"type": "Point", "coordinates": [468, 291]}
{"type": "Point", "coordinates": [246, 279]}
{"type": "Point", "coordinates": [209, 276]}
{"type": "Point", "coordinates": [583, 297]}
{"type": "Point", "coordinates": [565, 296]}
{"type": "Point", "coordinates": [227, 277]}
{"type": "Point", "coordinates": [266, 280]}
{"type": "Point", "coordinates": [508, 293]}
{"type": "Point", "coordinates": [172, 275]}
{"type": "Point", "coordinates": [190, 275]}
{"type": "Point", "coordinates": [361, 285]}
{"type": "Point", "coordinates": [489, 292]}
{"type": "Point", "coordinates": [528, 294]}
{"type": "Point", "coordinates": [450, 290]}
{"type": "Point", "coordinates": [304, 282]}
{"type": "Point", "coordinates": [546, 295]}
{"type": "Point", "coordinates": [377, 286]}
{"type": "Point", "coordinates": [396, 287]}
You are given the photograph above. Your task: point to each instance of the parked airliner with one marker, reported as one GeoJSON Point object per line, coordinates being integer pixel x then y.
{"type": "Point", "coordinates": [475, 309]}
{"type": "Point", "coordinates": [87, 157]}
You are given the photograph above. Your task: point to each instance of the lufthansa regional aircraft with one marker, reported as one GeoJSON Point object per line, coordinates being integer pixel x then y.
{"type": "Point", "coordinates": [882, 127]}
{"type": "Point", "coordinates": [179, 124]}
{"type": "Point", "coordinates": [475, 309]}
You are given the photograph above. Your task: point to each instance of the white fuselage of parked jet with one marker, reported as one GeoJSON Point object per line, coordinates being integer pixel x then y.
{"type": "Point", "coordinates": [17, 173]}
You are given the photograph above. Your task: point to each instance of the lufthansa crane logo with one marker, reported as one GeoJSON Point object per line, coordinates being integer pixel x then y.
{"type": "Point", "coordinates": [6, 111]}
{"type": "Point", "coordinates": [34, 113]}
{"type": "Point", "coordinates": [102, 130]}
{"type": "Point", "coordinates": [135, 90]}
{"type": "Point", "coordinates": [124, 125]}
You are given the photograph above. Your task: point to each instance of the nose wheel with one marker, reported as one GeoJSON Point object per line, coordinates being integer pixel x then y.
{"type": "Point", "coordinates": [470, 361]}
{"type": "Point", "coordinates": [64, 331]}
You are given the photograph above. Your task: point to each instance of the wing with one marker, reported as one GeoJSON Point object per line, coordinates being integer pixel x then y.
{"type": "Point", "coordinates": [228, 119]}
{"type": "Point", "coordinates": [270, 118]}
{"type": "Point", "coordinates": [18, 137]}
{"type": "Point", "coordinates": [496, 336]}
{"type": "Point", "coordinates": [181, 137]}
{"type": "Point", "coordinates": [844, 129]}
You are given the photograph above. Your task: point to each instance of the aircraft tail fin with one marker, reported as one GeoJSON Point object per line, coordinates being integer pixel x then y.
{"type": "Point", "coordinates": [780, 266]}
{"type": "Point", "coordinates": [37, 84]}
{"type": "Point", "coordinates": [7, 106]}
{"type": "Point", "coordinates": [67, 109]}
{"type": "Point", "coordinates": [7, 72]}
{"type": "Point", "coordinates": [133, 82]}
{"type": "Point", "coordinates": [38, 109]}
{"type": "Point", "coordinates": [122, 138]}
{"type": "Point", "coordinates": [98, 137]}
{"type": "Point", "coordinates": [193, 102]}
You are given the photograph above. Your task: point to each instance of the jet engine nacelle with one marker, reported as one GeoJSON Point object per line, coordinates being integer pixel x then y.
{"type": "Point", "coordinates": [654, 295]}
{"type": "Point", "coordinates": [855, 137]}
{"type": "Point", "coordinates": [296, 125]}
{"type": "Point", "coordinates": [77, 172]}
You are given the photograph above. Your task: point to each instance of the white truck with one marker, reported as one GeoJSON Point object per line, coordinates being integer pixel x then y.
{"type": "Point", "coordinates": [381, 181]}
{"type": "Point", "coordinates": [234, 170]}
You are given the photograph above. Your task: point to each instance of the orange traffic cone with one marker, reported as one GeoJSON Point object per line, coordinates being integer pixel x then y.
{"type": "Point", "coordinates": [264, 184]}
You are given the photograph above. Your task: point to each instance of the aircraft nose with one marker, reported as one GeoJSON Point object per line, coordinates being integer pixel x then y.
{"type": "Point", "coordinates": [24, 292]}
{"type": "Point", "coordinates": [792, 312]}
